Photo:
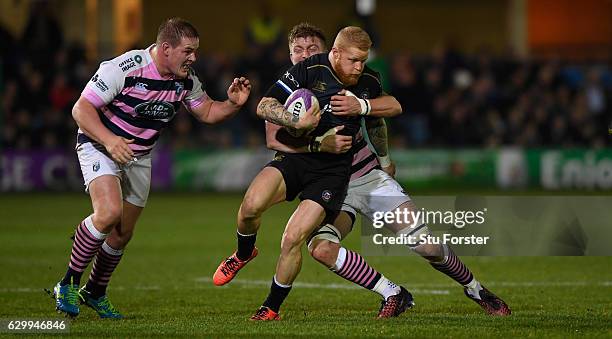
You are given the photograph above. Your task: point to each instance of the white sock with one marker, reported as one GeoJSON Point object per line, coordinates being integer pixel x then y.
{"type": "Point", "coordinates": [340, 260]}
{"type": "Point", "coordinates": [93, 230]}
{"type": "Point", "coordinates": [386, 287]}
{"type": "Point", "coordinates": [473, 288]}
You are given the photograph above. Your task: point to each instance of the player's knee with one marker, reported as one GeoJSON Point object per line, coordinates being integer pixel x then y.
{"type": "Point", "coordinates": [431, 252]}
{"type": "Point", "coordinates": [108, 216]}
{"type": "Point", "coordinates": [292, 240]}
{"type": "Point", "coordinates": [123, 238]}
{"type": "Point", "coordinates": [325, 252]}
{"type": "Point", "coordinates": [251, 208]}
{"type": "Point", "coordinates": [119, 239]}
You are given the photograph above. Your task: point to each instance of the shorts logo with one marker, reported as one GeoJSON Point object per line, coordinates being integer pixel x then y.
{"type": "Point", "coordinates": [278, 157]}
{"type": "Point", "coordinates": [96, 166]}
{"type": "Point", "coordinates": [326, 196]}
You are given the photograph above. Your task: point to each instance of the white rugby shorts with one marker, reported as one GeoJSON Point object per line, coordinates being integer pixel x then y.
{"type": "Point", "coordinates": [135, 176]}
{"type": "Point", "coordinates": [375, 191]}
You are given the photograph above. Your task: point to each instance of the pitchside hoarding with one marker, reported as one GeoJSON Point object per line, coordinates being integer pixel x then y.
{"type": "Point", "coordinates": [233, 170]}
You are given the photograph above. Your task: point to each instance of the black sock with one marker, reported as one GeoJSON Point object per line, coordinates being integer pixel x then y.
{"type": "Point", "coordinates": [72, 277]}
{"type": "Point", "coordinates": [246, 243]}
{"type": "Point", "coordinates": [277, 296]}
{"type": "Point", "coordinates": [95, 290]}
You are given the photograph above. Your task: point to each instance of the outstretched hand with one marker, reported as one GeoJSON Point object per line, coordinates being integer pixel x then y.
{"type": "Point", "coordinates": [239, 91]}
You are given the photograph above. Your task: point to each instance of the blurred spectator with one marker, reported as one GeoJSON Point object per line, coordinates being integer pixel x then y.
{"type": "Point", "coordinates": [449, 99]}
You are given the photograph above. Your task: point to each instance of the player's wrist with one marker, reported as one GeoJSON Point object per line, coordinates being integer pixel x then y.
{"type": "Point", "coordinates": [232, 104]}
{"type": "Point", "coordinates": [364, 104]}
{"type": "Point", "coordinates": [385, 161]}
{"type": "Point", "coordinates": [366, 107]}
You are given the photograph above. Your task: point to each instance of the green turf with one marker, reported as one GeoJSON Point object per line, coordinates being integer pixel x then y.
{"type": "Point", "coordinates": [181, 239]}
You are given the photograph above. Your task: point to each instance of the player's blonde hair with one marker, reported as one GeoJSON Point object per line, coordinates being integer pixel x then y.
{"type": "Point", "coordinates": [173, 30]}
{"type": "Point", "coordinates": [353, 36]}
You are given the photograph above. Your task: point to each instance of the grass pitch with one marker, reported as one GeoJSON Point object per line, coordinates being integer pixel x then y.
{"type": "Point", "coordinates": [163, 284]}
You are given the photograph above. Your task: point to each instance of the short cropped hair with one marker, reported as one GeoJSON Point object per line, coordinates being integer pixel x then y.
{"type": "Point", "coordinates": [353, 36]}
{"type": "Point", "coordinates": [305, 30]}
{"type": "Point", "coordinates": [173, 30]}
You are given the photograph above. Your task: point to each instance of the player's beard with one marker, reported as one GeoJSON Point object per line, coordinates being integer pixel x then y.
{"type": "Point", "coordinates": [347, 79]}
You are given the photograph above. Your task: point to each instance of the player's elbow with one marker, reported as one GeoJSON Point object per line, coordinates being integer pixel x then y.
{"type": "Point", "coordinates": [396, 108]}
{"type": "Point", "coordinates": [264, 105]}
{"type": "Point", "coordinates": [271, 144]}
{"type": "Point", "coordinates": [77, 111]}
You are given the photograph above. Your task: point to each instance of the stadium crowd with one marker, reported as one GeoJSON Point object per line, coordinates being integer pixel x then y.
{"type": "Point", "coordinates": [449, 98]}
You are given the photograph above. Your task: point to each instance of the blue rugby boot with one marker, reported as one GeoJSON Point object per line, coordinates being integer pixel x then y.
{"type": "Point", "coordinates": [101, 305]}
{"type": "Point", "coordinates": [66, 299]}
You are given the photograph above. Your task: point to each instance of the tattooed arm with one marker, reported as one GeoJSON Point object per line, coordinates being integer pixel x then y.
{"type": "Point", "coordinates": [273, 111]}
{"type": "Point", "coordinates": [377, 134]}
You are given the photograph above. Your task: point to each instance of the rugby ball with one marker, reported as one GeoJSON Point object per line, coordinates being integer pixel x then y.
{"type": "Point", "coordinates": [300, 101]}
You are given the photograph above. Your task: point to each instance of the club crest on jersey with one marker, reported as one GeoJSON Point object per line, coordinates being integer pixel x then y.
{"type": "Point", "coordinates": [96, 166]}
{"type": "Point", "coordinates": [326, 196]}
{"type": "Point", "coordinates": [178, 87]}
{"type": "Point", "coordinates": [319, 86]}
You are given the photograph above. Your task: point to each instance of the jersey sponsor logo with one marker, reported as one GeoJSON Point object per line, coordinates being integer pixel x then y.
{"type": "Point", "coordinates": [127, 64]}
{"type": "Point", "coordinates": [290, 77]}
{"type": "Point", "coordinates": [155, 109]}
{"type": "Point", "coordinates": [99, 83]}
{"type": "Point", "coordinates": [326, 195]}
{"type": "Point", "coordinates": [138, 59]}
{"type": "Point", "coordinates": [141, 87]}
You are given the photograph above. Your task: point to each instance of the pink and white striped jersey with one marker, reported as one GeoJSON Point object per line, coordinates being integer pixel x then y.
{"type": "Point", "coordinates": [135, 102]}
{"type": "Point", "coordinates": [364, 160]}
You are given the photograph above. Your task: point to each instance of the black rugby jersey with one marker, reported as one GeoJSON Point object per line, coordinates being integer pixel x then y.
{"type": "Point", "coordinates": [317, 75]}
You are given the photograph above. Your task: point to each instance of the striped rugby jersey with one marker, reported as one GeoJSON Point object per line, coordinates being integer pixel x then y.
{"type": "Point", "coordinates": [135, 102]}
{"type": "Point", "coordinates": [364, 160]}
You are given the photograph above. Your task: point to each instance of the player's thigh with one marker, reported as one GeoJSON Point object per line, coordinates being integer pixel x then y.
{"type": "Point", "coordinates": [106, 199]}
{"type": "Point", "coordinates": [305, 219]}
{"type": "Point", "coordinates": [130, 216]}
{"type": "Point", "coordinates": [343, 223]}
{"type": "Point", "coordinates": [101, 179]}
{"type": "Point", "coordinates": [409, 223]}
{"type": "Point", "coordinates": [268, 188]}
{"type": "Point", "coordinates": [381, 193]}
{"type": "Point", "coordinates": [136, 181]}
